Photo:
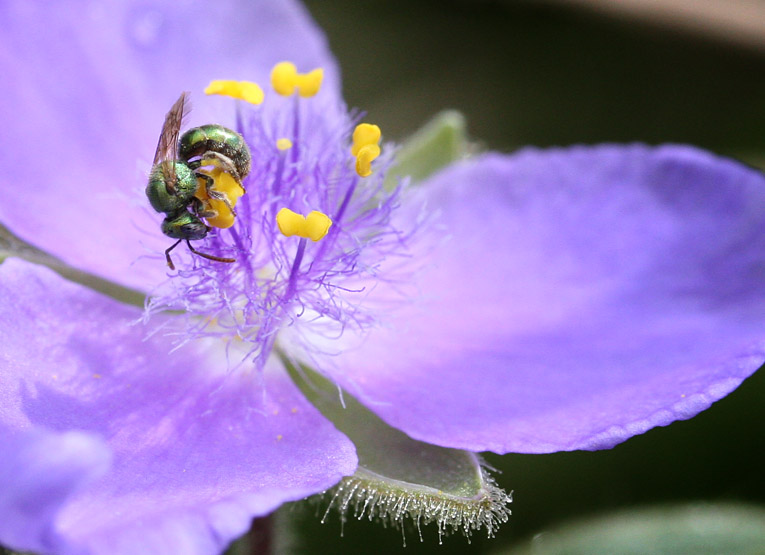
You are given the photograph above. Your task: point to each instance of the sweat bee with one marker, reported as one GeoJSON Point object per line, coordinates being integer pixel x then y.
{"type": "Point", "coordinates": [176, 173]}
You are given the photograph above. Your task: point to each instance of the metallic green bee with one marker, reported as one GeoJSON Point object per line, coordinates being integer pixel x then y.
{"type": "Point", "coordinates": [173, 180]}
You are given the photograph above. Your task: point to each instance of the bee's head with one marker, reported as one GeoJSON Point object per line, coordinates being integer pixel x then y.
{"type": "Point", "coordinates": [184, 226]}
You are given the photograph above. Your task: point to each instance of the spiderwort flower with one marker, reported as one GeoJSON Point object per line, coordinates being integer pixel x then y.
{"type": "Point", "coordinates": [547, 300]}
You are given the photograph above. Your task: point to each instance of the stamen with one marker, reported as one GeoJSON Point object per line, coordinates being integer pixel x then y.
{"type": "Point", "coordinates": [228, 187]}
{"type": "Point", "coordinates": [285, 79]}
{"type": "Point", "coordinates": [283, 144]}
{"type": "Point", "coordinates": [243, 90]}
{"type": "Point", "coordinates": [314, 226]}
{"type": "Point", "coordinates": [365, 147]}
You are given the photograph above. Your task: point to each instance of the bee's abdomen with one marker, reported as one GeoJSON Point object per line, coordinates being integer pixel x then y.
{"type": "Point", "coordinates": [198, 140]}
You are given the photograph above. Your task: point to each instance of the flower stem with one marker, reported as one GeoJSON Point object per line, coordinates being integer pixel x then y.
{"type": "Point", "coordinates": [259, 540]}
{"type": "Point", "coordinates": [261, 536]}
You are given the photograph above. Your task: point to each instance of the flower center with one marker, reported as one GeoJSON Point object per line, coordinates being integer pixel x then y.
{"type": "Point", "coordinates": [309, 157]}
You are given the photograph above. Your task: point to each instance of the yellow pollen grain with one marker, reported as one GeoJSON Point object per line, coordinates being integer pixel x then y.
{"type": "Point", "coordinates": [279, 437]}
{"type": "Point", "coordinates": [365, 147]}
{"type": "Point", "coordinates": [225, 184]}
{"type": "Point", "coordinates": [207, 163]}
{"type": "Point", "coordinates": [294, 410]}
{"type": "Point", "coordinates": [285, 79]}
{"type": "Point", "coordinates": [314, 226]}
{"type": "Point", "coordinates": [243, 90]}
{"type": "Point", "coordinates": [97, 376]}
{"type": "Point", "coordinates": [284, 144]}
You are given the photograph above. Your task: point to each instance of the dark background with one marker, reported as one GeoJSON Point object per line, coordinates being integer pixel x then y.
{"type": "Point", "coordinates": [542, 74]}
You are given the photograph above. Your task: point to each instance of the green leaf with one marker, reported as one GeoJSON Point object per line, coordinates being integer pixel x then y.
{"type": "Point", "coordinates": [400, 478]}
{"type": "Point", "coordinates": [699, 529]}
{"type": "Point", "coordinates": [437, 144]}
{"type": "Point", "coordinates": [10, 245]}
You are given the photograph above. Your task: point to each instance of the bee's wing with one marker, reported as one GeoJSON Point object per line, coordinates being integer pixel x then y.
{"type": "Point", "coordinates": [167, 147]}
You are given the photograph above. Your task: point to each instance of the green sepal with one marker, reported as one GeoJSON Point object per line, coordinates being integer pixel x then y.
{"type": "Point", "coordinates": [399, 478]}
{"type": "Point", "coordinates": [437, 144]}
{"type": "Point", "coordinates": [696, 528]}
{"type": "Point", "coordinates": [10, 245]}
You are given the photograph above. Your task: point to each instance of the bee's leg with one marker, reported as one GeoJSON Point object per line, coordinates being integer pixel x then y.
{"type": "Point", "coordinates": [212, 193]}
{"type": "Point", "coordinates": [207, 256]}
{"type": "Point", "coordinates": [199, 210]}
{"type": "Point", "coordinates": [226, 164]}
{"type": "Point", "coordinates": [167, 254]}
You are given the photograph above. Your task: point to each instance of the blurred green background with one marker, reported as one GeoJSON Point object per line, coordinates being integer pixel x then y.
{"type": "Point", "coordinates": [538, 73]}
{"type": "Point", "coordinates": [544, 74]}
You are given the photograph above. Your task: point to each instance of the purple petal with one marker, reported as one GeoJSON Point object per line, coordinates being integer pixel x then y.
{"type": "Point", "coordinates": [197, 450]}
{"type": "Point", "coordinates": [39, 472]}
{"type": "Point", "coordinates": [88, 85]}
{"type": "Point", "coordinates": [585, 296]}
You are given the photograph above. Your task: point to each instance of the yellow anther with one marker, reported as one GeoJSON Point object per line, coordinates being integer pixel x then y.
{"type": "Point", "coordinates": [308, 84]}
{"type": "Point", "coordinates": [284, 144]}
{"type": "Point", "coordinates": [223, 183]}
{"type": "Point", "coordinates": [314, 226]}
{"type": "Point", "coordinates": [364, 159]}
{"type": "Point", "coordinates": [365, 149]}
{"type": "Point", "coordinates": [285, 79]}
{"type": "Point", "coordinates": [243, 90]}
{"type": "Point", "coordinates": [317, 225]}
{"type": "Point", "coordinates": [364, 134]}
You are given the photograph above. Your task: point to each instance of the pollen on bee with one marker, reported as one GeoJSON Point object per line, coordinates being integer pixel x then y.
{"type": "Point", "coordinates": [285, 79]}
{"type": "Point", "coordinates": [314, 226]}
{"type": "Point", "coordinates": [225, 184]}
